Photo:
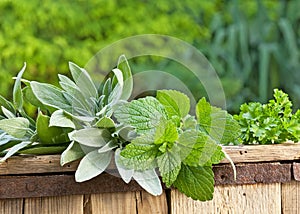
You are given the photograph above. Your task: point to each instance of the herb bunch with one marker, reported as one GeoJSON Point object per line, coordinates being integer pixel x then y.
{"type": "Point", "coordinates": [143, 139]}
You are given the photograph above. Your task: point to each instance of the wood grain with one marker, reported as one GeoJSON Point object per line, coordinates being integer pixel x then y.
{"type": "Point", "coordinates": [290, 197]}
{"type": "Point", "coordinates": [113, 203]}
{"type": "Point", "coordinates": [237, 199]}
{"type": "Point", "coordinates": [34, 165]}
{"type": "Point", "coordinates": [239, 154]}
{"type": "Point", "coordinates": [52, 205]}
{"type": "Point", "coordinates": [8, 206]}
{"type": "Point", "coordinates": [147, 203]}
{"type": "Point", "coordinates": [263, 153]}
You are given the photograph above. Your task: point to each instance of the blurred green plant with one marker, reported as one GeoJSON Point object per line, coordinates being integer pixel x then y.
{"type": "Point", "coordinates": [254, 50]}
{"type": "Point", "coordinates": [47, 34]}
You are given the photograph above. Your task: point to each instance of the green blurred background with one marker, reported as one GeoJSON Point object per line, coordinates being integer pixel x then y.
{"type": "Point", "coordinates": [253, 45]}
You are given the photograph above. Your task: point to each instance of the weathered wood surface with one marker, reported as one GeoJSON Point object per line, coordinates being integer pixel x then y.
{"type": "Point", "coordinates": [48, 205]}
{"type": "Point", "coordinates": [239, 154]}
{"type": "Point", "coordinates": [128, 203]}
{"type": "Point", "coordinates": [8, 206]}
{"type": "Point", "coordinates": [238, 199]}
{"type": "Point", "coordinates": [263, 153]}
{"type": "Point", "coordinates": [290, 197]}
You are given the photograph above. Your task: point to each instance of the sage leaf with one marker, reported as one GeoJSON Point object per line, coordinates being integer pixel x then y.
{"type": "Point", "coordinates": [83, 80]}
{"type": "Point", "coordinates": [16, 127]}
{"type": "Point", "coordinates": [8, 105]}
{"type": "Point", "coordinates": [116, 93]}
{"type": "Point", "coordinates": [17, 91]}
{"type": "Point", "coordinates": [92, 137]}
{"type": "Point", "coordinates": [143, 114]}
{"type": "Point", "coordinates": [43, 150]}
{"type": "Point", "coordinates": [149, 181]}
{"type": "Point", "coordinates": [127, 76]}
{"type": "Point", "coordinates": [50, 95]}
{"type": "Point", "coordinates": [105, 122]}
{"type": "Point", "coordinates": [31, 98]}
{"type": "Point", "coordinates": [7, 113]}
{"type": "Point", "coordinates": [108, 147]}
{"type": "Point", "coordinates": [58, 118]}
{"type": "Point", "coordinates": [50, 135]}
{"type": "Point", "coordinates": [13, 150]}
{"type": "Point", "coordinates": [73, 152]}
{"type": "Point", "coordinates": [196, 182]}
{"type": "Point", "coordinates": [92, 165]}
{"type": "Point", "coordinates": [125, 173]}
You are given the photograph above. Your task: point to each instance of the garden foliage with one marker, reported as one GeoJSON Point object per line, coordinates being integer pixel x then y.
{"type": "Point", "coordinates": [252, 45]}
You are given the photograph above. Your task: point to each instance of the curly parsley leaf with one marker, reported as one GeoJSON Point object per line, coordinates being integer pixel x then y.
{"type": "Point", "coordinates": [269, 123]}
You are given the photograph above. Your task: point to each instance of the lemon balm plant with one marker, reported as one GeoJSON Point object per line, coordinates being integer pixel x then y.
{"type": "Point", "coordinates": [144, 138]}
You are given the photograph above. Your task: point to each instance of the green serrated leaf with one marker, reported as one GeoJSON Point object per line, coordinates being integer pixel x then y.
{"type": "Point", "coordinates": [59, 119]}
{"type": "Point", "coordinates": [92, 137]}
{"type": "Point", "coordinates": [169, 165]}
{"type": "Point", "coordinates": [72, 152]}
{"type": "Point", "coordinates": [92, 165]}
{"type": "Point", "coordinates": [189, 122]}
{"type": "Point", "coordinates": [50, 135]}
{"type": "Point", "coordinates": [143, 114]}
{"type": "Point", "coordinates": [186, 142]}
{"type": "Point", "coordinates": [166, 131]}
{"type": "Point", "coordinates": [216, 122]}
{"type": "Point", "coordinates": [139, 156]}
{"type": "Point", "coordinates": [175, 102]}
{"type": "Point", "coordinates": [50, 96]}
{"type": "Point", "coordinates": [16, 127]}
{"type": "Point", "coordinates": [196, 182]}
{"type": "Point", "coordinates": [205, 152]}
{"type": "Point", "coordinates": [17, 91]}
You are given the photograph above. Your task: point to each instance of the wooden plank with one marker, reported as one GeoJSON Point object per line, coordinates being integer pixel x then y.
{"type": "Point", "coordinates": [8, 206]}
{"type": "Point", "coordinates": [240, 199]}
{"type": "Point", "coordinates": [49, 205]}
{"type": "Point", "coordinates": [58, 185]}
{"type": "Point", "coordinates": [263, 153]}
{"type": "Point", "coordinates": [35, 164]}
{"type": "Point", "coordinates": [290, 197]}
{"type": "Point", "coordinates": [251, 173]}
{"type": "Point", "coordinates": [147, 203]}
{"type": "Point", "coordinates": [239, 154]}
{"type": "Point", "coordinates": [113, 203]}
